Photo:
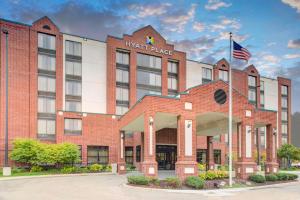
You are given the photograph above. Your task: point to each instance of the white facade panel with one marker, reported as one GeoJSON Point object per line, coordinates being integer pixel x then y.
{"type": "Point", "coordinates": [194, 73]}
{"type": "Point", "coordinates": [188, 137]}
{"type": "Point", "coordinates": [248, 142]}
{"type": "Point", "coordinates": [271, 93]}
{"type": "Point", "coordinates": [93, 74]}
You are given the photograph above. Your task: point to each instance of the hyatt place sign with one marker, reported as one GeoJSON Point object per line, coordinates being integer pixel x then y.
{"type": "Point", "coordinates": [148, 47]}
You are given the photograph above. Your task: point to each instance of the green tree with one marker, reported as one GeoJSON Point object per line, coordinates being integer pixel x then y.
{"type": "Point", "coordinates": [26, 151]}
{"type": "Point", "coordinates": [67, 153]}
{"type": "Point", "coordinates": [289, 152]}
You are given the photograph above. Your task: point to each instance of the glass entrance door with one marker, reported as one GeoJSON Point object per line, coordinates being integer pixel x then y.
{"type": "Point", "coordinates": [166, 157]}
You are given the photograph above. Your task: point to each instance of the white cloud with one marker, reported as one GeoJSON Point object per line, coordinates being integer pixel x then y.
{"type": "Point", "coordinates": [271, 59]}
{"type": "Point", "coordinates": [271, 44]}
{"type": "Point", "coordinates": [176, 22]}
{"type": "Point", "coordinates": [293, 4]}
{"type": "Point", "coordinates": [226, 23]}
{"type": "Point", "coordinates": [149, 10]}
{"type": "Point", "coordinates": [294, 44]}
{"type": "Point", "coordinates": [236, 37]}
{"type": "Point", "coordinates": [197, 26]}
{"type": "Point", "coordinates": [291, 56]}
{"type": "Point", "coordinates": [216, 4]}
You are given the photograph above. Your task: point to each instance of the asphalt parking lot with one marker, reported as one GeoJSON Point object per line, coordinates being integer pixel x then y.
{"type": "Point", "coordinates": [112, 187]}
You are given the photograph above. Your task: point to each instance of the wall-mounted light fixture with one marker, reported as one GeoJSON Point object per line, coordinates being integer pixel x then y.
{"type": "Point", "coordinates": [151, 121]}
{"type": "Point", "coordinates": [274, 131]}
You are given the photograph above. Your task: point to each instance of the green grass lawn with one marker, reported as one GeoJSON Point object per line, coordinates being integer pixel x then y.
{"type": "Point", "coordinates": [27, 173]}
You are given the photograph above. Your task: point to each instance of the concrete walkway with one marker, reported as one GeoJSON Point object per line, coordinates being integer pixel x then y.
{"type": "Point", "coordinates": [112, 187]}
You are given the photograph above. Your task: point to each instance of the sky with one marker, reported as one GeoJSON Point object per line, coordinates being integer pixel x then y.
{"type": "Point", "coordinates": [269, 29]}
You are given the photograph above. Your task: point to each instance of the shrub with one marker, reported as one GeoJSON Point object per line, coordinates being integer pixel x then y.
{"type": "Point", "coordinates": [68, 170]}
{"type": "Point", "coordinates": [286, 176]}
{"type": "Point", "coordinates": [154, 181]}
{"type": "Point", "coordinates": [33, 152]}
{"type": "Point", "coordinates": [26, 151]}
{"type": "Point", "coordinates": [67, 153]}
{"type": "Point", "coordinates": [138, 180]}
{"type": "Point", "coordinates": [36, 169]}
{"type": "Point", "coordinates": [95, 167]}
{"type": "Point", "coordinates": [213, 175]}
{"type": "Point", "coordinates": [201, 167]}
{"type": "Point", "coordinates": [292, 176]}
{"type": "Point", "coordinates": [257, 178]}
{"type": "Point", "coordinates": [271, 177]}
{"type": "Point", "coordinates": [282, 176]}
{"type": "Point", "coordinates": [130, 167]}
{"type": "Point", "coordinates": [19, 170]}
{"type": "Point", "coordinates": [107, 168]}
{"type": "Point", "coordinates": [194, 182]}
{"type": "Point", "coordinates": [172, 182]}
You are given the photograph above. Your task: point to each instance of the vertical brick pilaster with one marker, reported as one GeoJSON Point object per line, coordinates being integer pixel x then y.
{"type": "Point", "coordinates": [271, 162]}
{"type": "Point", "coordinates": [121, 153]}
{"type": "Point", "coordinates": [210, 164]}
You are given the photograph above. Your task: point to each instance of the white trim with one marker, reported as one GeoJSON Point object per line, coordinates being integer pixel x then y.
{"type": "Point", "coordinates": [188, 137]}
{"type": "Point", "coordinates": [150, 140]}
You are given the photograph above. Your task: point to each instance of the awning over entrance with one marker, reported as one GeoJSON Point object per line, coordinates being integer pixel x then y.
{"type": "Point", "coordinates": [214, 123]}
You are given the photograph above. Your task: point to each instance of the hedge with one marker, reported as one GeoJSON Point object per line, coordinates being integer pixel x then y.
{"type": "Point", "coordinates": [138, 180]}
{"type": "Point", "coordinates": [257, 178]}
{"type": "Point", "coordinates": [213, 175]}
{"type": "Point", "coordinates": [194, 182]}
{"type": "Point", "coordinates": [35, 153]}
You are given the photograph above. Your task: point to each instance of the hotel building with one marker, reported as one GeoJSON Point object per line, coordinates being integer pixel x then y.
{"type": "Point", "coordinates": [137, 100]}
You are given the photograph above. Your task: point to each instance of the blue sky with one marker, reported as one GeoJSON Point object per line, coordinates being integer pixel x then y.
{"type": "Point", "coordinates": [270, 29]}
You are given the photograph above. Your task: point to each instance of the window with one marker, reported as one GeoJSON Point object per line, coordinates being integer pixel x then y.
{"type": "Point", "coordinates": [73, 88]}
{"type": "Point", "coordinates": [122, 76]}
{"type": "Point", "coordinates": [217, 156]}
{"type": "Point", "coordinates": [46, 41]}
{"type": "Point", "coordinates": [284, 90]}
{"type": "Point", "coordinates": [73, 48]}
{"type": "Point", "coordinates": [284, 102]}
{"type": "Point", "coordinates": [284, 116]}
{"type": "Point", "coordinates": [46, 127]}
{"type": "Point", "coordinates": [172, 77]}
{"type": "Point", "coordinates": [262, 99]}
{"type": "Point", "coordinates": [138, 153]}
{"type": "Point", "coordinates": [121, 109]}
{"type": "Point", "coordinates": [252, 95]}
{"type": "Point", "coordinates": [284, 128]}
{"type": "Point", "coordinates": [46, 105]}
{"type": "Point", "coordinates": [143, 92]}
{"type": "Point", "coordinates": [284, 139]}
{"type": "Point", "coordinates": [201, 156]}
{"type": "Point", "coordinates": [262, 86]}
{"type": "Point", "coordinates": [122, 94]}
{"type": "Point", "coordinates": [173, 67]}
{"type": "Point", "coordinates": [73, 126]}
{"type": "Point", "coordinates": [262, 132]}
{"type": "Point", "coordinates": [46, 84]}
{"type": "Point", "coordinates": [46, 62]}
{"type": "Point", "coordinates": [129, 155]}
{"type": "Point", "coordinates": [223, 75]}
{"type": "Point", "coordinates": [206, 75]}
{"type": "Point", "coordinates": [73, 68]}
{"type": "Point", "coordinates": [252, 81]}
{"type": "Point", "coordinates": [148, 78]}
{"type": "Point", "coordinates": [172, 83]}
{"type": "Point", "coordinates": [74, 106]}
{"type": "Point", "coordinates": [148, 61]}
{"type": "Point", "coordinates": [122, 58]}
{"type": "Point", "coordinates": [97, 154]}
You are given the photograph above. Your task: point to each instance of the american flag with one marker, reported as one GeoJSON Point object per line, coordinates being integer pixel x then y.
{"type": "Point", "coordinates": [240, 52]}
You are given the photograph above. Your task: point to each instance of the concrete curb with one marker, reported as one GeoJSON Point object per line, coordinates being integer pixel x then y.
{"type": "Point", "coordinates": [224, 190]}
{"type": "Point", "coordinates": [53, 176]}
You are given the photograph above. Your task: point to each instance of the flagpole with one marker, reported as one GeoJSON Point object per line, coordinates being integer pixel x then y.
{"type": "Point", "coordinates": [230, 113]}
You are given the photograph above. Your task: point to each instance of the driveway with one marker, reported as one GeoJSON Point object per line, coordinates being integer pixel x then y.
{"type": "Point", "coordinates": [111, 187]}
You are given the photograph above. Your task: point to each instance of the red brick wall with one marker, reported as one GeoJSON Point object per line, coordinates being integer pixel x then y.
{"type": "Point", "coordinates": [139, 36]}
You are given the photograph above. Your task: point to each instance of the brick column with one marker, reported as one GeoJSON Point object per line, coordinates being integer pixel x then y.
{"type": "Point", "coordinates": [149, 164]}
{"type": "Point", "coordinates": [121, 153]}
{"type": "Point", "coordinates": [246, 164]}
{"type": "Point", "coordinates": [210, 163]}
{"type": "Point", "coordinates": [271, 163]}
{"type": "Point", "coordinates": [186, 164]}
